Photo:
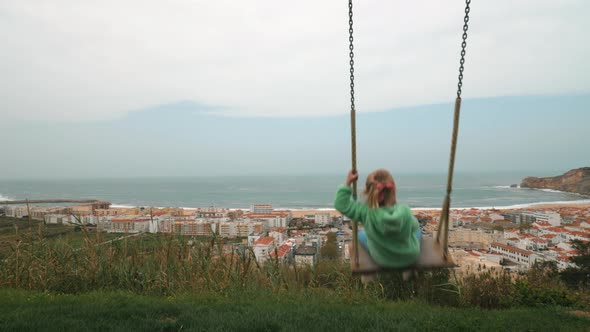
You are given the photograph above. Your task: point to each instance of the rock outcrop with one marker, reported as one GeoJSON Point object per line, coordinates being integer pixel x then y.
{"type": "Point", "coordinates": [574, 181]}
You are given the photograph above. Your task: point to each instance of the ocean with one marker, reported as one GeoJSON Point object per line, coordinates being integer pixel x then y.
{"type": "Point", "coordinates": [293, 192]}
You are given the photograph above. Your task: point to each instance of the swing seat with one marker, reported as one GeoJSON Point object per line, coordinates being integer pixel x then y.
{"type": "Point", "coordinates": [431, 257]}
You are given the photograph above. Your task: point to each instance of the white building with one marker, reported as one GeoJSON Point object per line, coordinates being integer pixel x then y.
{"type": "Point", "coordinates": [128, 226]}
{"type": "Point", "coordinates": [323, 218]}
{"type": "Point", "coordinates": [313, 240]}
{"type": "Point", "coordinates": [88, 219]}
{"type": "Point", "coordinates": [73, 220]}
{"type": "Point", "coordinates": [537, 216]}
{"type": "Point", "coordinates": [576, 235]}
{"type": "Point", "coordinates": [54, 219]}
{"type": "Point", "coordinates": [187, 226]}
{"type": "Point", "coordinates": [278, 234]}
{"type": "Point", "coordinates": [517, 255]}
{"type": "Point", "coordinates": [306, 255]}
{"type": "Point", "coordinates": [536, 244]}
{"type": "Point", "coordinates": [263, 247]}
{"type": "Point", "coordinates": [239, 228]}
{"type": "Point", "coordinates": [261, 208]}
{"type": "Point", "coordinates": [153, 225]}
{"type": "Point", "coordinates": [212, 213]}
{"type": "Point", "coordinates": [104, 223]}
{"type": "Point", "coordinates": [16, 211]}
{"type": "Point", "coordinates": [271, 220]}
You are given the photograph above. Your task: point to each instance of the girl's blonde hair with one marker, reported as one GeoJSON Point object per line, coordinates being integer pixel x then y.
{"type": "Point", "coordinates": [380, 189]}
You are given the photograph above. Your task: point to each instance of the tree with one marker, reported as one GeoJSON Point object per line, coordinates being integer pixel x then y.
{"type": "Point", "coordinates": [579, 275]}
{"type": "Point", "coordinates": [329, 251]}
{"type": "Point", "coordinates": [330, 248]}
{"type": "Point", "coordinates": [332, 237]}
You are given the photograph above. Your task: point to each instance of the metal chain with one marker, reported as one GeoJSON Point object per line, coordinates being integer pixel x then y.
{"type": "Point", "coordinates": [352, 105]}
{"type": "Point", "coordinates": [463, 46]}
{"type": "Point", "coordinates": [353, 131]}
{"type": "Point", "coordinates": [351, 54]}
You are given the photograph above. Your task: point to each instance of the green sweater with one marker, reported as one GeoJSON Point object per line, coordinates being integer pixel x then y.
{"type": "Point", "coordinates": [391, 231]}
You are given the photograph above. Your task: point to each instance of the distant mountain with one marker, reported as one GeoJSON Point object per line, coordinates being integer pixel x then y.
{"type": "Point", "coordinates": [575, 181]}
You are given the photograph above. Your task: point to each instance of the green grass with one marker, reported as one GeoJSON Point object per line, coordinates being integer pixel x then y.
{"type": "Point", "coordinates": [14, 229]}
{"type": "Point", "coordinates": [7, 227]}
{"type": "Point", "coordinates": [75, 281]}
{"type": "Point", "coordinates": [104, 311]}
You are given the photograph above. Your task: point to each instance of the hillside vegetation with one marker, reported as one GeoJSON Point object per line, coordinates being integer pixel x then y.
{"type": "Point", "coordinates": [84, 280]}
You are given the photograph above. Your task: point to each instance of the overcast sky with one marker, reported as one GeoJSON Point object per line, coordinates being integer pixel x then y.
{"type": "Point", "coordinates": [87, 60]}
{"type": "Point", "coordinates": [90, 68]}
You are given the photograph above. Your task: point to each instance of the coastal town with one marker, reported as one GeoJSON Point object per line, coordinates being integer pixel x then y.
{"type": "Point", "coordinates": [508, 239]}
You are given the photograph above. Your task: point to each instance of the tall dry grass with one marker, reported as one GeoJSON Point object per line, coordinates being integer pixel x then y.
{"type": "Point", "coordinates": [158, 264]}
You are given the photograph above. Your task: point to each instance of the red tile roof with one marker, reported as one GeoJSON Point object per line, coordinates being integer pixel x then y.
{"type": "Point", "coordinates": [265, 240]}
{"type": "Point", "coordinates": [511, 248]}
{"type": "Point", "coordinates": [282, 250]}
{"type": "Point", "coordinates": [539, 240]}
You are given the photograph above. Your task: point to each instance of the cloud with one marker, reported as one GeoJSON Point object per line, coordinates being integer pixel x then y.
{"type": "Point", "coordinates": [88, 60]}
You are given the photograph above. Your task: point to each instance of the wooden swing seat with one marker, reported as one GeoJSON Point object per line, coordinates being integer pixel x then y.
{"type": "Point", "coordinates": [431, 257]}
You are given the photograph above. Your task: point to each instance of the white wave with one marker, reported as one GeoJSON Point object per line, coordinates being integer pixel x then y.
{"type": "Point", "coordinates": [554, 191]}
{"type": "Point", "coordinates": [510, 207]}
{"type": "Point", "coordinates": [558, 192]}
{"type": "Point", "coordinates": [123, 206]}
{"type": "Point", "coordinates": [507, 187]}
{"type": "Point", "coordinates": [515, 206]}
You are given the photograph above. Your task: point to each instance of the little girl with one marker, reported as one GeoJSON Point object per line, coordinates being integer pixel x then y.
{"type": "Point", "coordinates": [391, 233]}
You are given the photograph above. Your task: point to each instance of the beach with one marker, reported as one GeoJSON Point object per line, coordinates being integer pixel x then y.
{"type": "Point", "coordinates": [299, 213]}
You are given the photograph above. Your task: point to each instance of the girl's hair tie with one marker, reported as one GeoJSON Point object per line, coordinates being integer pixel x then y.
{"type": "Point", "coordinates": [381, 186]}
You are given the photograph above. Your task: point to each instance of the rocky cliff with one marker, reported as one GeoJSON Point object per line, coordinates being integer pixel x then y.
{"type": "Point", "coordinates": [575, 181]}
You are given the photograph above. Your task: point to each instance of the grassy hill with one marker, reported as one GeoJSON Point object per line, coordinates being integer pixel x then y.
{"type": "Point", "coordinates": [117, 311]}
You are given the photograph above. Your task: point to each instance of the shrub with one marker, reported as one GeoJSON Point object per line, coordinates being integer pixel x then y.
{"type": "Point", "coordinates": [491, 289]}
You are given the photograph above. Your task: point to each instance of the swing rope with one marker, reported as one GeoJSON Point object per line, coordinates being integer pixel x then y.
{"type": "Point", "coordinates": [353, 129]}
{"type": "Point", "coordinates": [443, 229]}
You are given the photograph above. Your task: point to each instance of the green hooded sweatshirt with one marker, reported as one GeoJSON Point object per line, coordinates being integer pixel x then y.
{"type": "Point", "coordinates": [391, 231]}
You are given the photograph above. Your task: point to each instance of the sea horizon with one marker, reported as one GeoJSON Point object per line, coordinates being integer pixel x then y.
{"type": "Point", "coordinates": [297, 192]}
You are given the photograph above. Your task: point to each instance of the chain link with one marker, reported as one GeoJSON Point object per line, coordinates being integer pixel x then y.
{"type": "Point", "coordinates": [463, 46]}
{"type": "Point", "coordinates": [352, 106]}
{"type": "Point", "coordinates": [351, 54]}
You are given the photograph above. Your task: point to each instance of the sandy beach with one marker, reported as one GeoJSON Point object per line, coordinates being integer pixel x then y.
{"type": "Point", "coordinates": [577, 205]}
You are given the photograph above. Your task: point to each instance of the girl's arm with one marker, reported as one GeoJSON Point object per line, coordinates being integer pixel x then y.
{"type": "Point", "coordinates": [346, 205]}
